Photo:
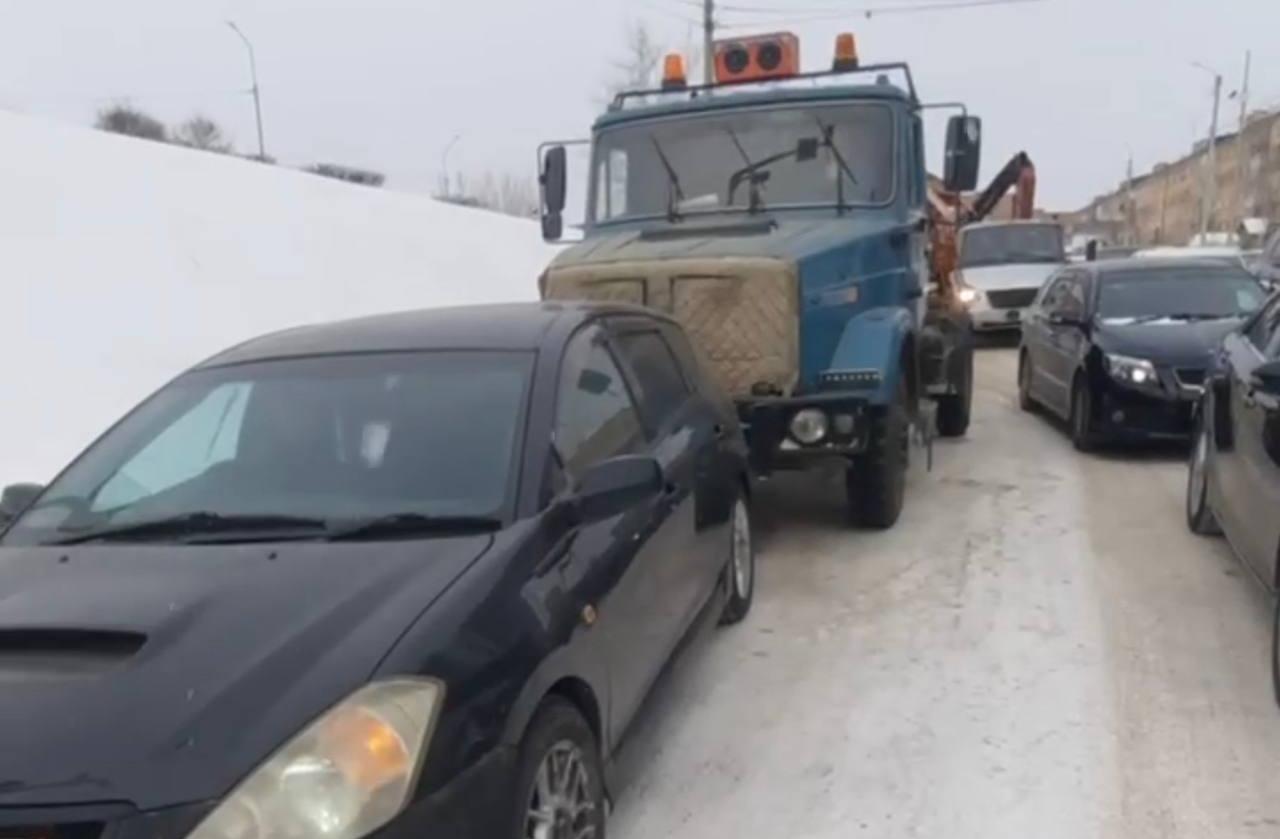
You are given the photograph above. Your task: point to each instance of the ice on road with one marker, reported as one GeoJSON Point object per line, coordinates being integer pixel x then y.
{"type": "Point", "coordinates": [1039, 648]}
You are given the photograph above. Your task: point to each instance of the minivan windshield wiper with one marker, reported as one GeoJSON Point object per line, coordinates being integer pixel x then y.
{"type": "Point", "coordinates": [1182, 316]}
{"type": "Point", "coordinates": [409, 525]}
{"type": "Point", "coordinates": [198, 524]}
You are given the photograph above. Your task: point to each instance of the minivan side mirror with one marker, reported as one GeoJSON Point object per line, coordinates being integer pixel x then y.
{"type": "Point", "coordinates": [16, 499]}
{"type": "Point", "coordinates": [1266, 378]}
{"type": "Point", "coordinates": [964, 153]}
{"type": "Point", "coordinates": [553, 182]}
{"type": "Point", "coordinates": [613, 486]}
{"type": "Point", "coordinates": [1064, 319]}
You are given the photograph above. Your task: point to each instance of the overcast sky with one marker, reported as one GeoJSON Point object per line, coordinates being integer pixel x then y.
{"type": "Point", "coordinates": [385, 84]}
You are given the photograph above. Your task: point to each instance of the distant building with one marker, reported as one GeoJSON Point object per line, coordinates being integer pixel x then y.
{"type": "Point", "coordinates": [1162, 207]}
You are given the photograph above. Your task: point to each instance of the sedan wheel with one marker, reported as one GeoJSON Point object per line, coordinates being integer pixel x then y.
{"type": "Point", "coordinates": [560, 785]}
{"type": "Point", "coordinates": [1025, 402]}
{"type": "Point", "coordinates": [1200, 518]}
{"type": "Point", "coordinates": [741, 571]}
{"type": "Point", "coordinates": [1082, 434]}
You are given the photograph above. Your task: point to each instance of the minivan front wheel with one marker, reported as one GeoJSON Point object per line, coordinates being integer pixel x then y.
{"type": "Point", "coordinates": [559, 778]}
{"type": "Point", "coordinates": [741, 570]}
{"type": "Point", "coordinates": [1200, 518]}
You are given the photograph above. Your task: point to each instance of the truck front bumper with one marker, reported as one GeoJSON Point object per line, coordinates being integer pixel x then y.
{"type": "Point", "coordinates": [767, 424]}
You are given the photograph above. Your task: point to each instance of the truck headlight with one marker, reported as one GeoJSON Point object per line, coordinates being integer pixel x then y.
{"type": "Point", "coordinates": [1131, 371]}
{"type": "Point", "coordinates": [809, 426]}
{"type": "Point", "coordinates": [345, 775]}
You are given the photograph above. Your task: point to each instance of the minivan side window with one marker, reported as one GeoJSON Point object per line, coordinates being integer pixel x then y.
{"type": "Point", "coordinates": [595, 417]}
{"type": "Point", "coordinates": [661, 388]}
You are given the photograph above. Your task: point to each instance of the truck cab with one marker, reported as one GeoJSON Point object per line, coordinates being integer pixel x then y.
{"type": "Point", "coordinates": [781, 218]}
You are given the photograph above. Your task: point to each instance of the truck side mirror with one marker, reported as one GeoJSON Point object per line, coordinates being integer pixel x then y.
{"type": "Point", "coordinates": [964, 153]}
{"type": "Point", "coordinates": [553, 182]}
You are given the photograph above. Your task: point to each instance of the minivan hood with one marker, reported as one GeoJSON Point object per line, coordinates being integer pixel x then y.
{"type": "Point", "coordinates": [1183, 342]}
{"type": "Point", "coordinates": [243, 646]}
{"type": "Point", "coordinates": [1014, 275]}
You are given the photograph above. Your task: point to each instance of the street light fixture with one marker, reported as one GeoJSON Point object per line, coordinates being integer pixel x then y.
{"type": "Point", "coordinates": [257, 98]}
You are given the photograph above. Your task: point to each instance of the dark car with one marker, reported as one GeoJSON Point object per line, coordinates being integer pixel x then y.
{"type": "Point", "coordinates": [410, 574]}
{"type": "Point", "coordinates": [1233, 483]}
{"type": "Point", "coordinates": [1120, 348]}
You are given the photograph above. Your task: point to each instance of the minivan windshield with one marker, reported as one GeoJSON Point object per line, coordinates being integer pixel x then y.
{"type": "Point", "coordinates": [1009, 244]}
{"type": "Point", "coordinates": [741, 160]}
{"type": "Point", "coordinates": [325, 440]}
{"type": "Point", "coordinates": [1181, 293]}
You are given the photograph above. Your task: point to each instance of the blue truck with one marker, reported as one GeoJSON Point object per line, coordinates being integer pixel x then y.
{"type": "Point", "coordinates": [783, 217]}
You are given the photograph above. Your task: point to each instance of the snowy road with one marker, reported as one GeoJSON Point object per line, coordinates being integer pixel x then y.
{"type": "Point", "coordinates": [1039, 648]}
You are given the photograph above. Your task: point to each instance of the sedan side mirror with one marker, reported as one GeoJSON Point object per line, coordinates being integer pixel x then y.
{"type": "Point", "coordinates": [613, 486]}
{"type": "Point", "coordinates": [1266, 378]}
{"type": "Point", "coordinates": [16, 499]}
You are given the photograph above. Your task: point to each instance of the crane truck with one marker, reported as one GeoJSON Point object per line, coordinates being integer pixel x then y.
{"type": "Point", "coordinates": [783, 218]}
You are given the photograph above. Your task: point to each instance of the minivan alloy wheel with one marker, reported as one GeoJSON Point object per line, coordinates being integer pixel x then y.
{"type": "Point", "coordinates": [560, 804]}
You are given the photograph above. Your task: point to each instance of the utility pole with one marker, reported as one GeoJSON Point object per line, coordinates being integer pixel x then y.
{"type": "Point", "coordinates": [1209, 189]}
{"type": "Point", "coordinates": [1242, 149]}
{"type": "Point", "coordinates": [257, 98]}
{"type": "Point", "coordinates": [444, 166]}
{"type": "Point", "coordinates": [708, 41]}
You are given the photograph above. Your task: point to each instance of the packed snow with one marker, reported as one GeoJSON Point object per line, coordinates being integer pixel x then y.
{"type": "Point", "coordinates": [125, 261]}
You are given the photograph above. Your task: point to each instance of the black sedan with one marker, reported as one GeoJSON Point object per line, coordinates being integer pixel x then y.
{"type": "Point", "coordinates": [410, 574]}
{"type": "Point", "coordinates": [1120, 348]}
{"type": "Point", "coordinates": [1233, 483]}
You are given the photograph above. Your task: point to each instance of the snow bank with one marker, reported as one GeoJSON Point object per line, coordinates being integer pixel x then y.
{"type": "Point", "coordinates": [124, 261]}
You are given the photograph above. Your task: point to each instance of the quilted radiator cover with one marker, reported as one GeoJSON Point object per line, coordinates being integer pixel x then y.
{"type": "Point", "coordinates": [742, 313]}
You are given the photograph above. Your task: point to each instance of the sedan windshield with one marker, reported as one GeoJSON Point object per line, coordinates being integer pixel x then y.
{"type": "Point", "coordinates": [744, 161]}
{"type": "Point", "coordinates": [307, 442]}
{"type": "Point", "coordinates": [1011, 244]}
{"type": "Point", "coordinates": [1184, 293]}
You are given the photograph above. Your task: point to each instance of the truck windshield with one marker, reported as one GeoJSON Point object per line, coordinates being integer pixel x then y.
{"type": "Point", "coordinates": [743, 160]}
{"type": "Point", "coordinates": [330, 438]}
{"type": "Point", "coordinates": [1013, 243]}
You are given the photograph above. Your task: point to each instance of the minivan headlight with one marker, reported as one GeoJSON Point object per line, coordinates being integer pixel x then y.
{"type": "Point", "coordinates": [345, 775]}
{"type": "Point", "coordinates": [1131, 371]}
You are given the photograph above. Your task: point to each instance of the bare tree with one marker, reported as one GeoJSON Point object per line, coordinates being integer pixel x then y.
{"type": "Point", "coordinates": [638, 66]}
{"type": "Point", "coordinates": [200, 132]}
{"type": "Point", "coordinates": [504, 193]}
{"type": "Point", "coordinates": [128, 120]}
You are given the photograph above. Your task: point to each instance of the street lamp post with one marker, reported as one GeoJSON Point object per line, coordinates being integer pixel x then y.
{"type": "Point", "coordinates": [444, 165]}
{"type": "Point", "coordinates": [257, 98]}
{"type": "Point", "coordinates": [1209, 191]}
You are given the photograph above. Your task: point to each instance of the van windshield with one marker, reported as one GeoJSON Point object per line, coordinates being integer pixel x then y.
{"type": "Point", "coordinates": [743, 160]}
{"type": "Point", "coordinates": [1011, 244]}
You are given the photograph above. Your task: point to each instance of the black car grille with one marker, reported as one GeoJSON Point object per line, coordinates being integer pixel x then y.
{"type": "Point", "coordinates": [1013, 298]}
{"type": "Point", "coordinates": [1189, 376]}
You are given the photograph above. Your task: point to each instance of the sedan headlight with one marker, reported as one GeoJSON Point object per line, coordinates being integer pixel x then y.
{"type": "Point", "coordinates": [809, 426]}
{"type": "Point", "coordinates": [1131, 371]}
{"type": "Point", "coordinates": [345, 775]}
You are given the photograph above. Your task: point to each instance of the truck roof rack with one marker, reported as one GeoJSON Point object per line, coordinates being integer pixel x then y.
{"type": "Point", "coordinates": [695, 91]}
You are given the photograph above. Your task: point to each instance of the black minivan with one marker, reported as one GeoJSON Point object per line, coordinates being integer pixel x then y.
{"type": "Point", "coordinates": [410, 574]}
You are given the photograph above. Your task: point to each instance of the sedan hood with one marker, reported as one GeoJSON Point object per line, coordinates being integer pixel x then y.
{"type": "Point", "coordinates": [1177, 342]}
{"type": "Point", "coordinates": [163, 675]}
{"type": "Point", "coordinates": [1001, 277]}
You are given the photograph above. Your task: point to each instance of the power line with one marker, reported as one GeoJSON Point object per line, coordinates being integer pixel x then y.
{"type": "Point", "coordinates": [834, 13]}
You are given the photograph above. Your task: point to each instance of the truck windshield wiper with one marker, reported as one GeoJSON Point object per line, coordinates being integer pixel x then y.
{"type": "Point", "coordinates": [828, 140]}
{"type": "Point", "coordinates": [197, 524]}
{"type": "Point", "coordinates": [754, 202]}
{"type": "Point", "coordinates": [675, 195]}
{"type": "Point", "coordinates": [408, 525]}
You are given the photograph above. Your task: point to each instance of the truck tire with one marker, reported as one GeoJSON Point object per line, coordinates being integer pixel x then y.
{"type": "Point", "coordinates": [876, 482]}
{"type": "Point", "coordinates": [954, 408]}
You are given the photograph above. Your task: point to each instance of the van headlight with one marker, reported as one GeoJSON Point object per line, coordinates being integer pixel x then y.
{"type": "Point", "coordinates": [345, 775]}
{"type": "Point", "coordinates": [969, 296]}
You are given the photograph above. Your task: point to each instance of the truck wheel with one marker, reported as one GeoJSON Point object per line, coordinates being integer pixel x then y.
{"type": "Point", "coordinates": [954, 408]}
{"type": "Point", "coordinates": [876, 482]}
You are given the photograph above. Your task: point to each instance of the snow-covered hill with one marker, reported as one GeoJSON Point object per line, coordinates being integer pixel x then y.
{"type": "Point", "coordinates": [124, 261]}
